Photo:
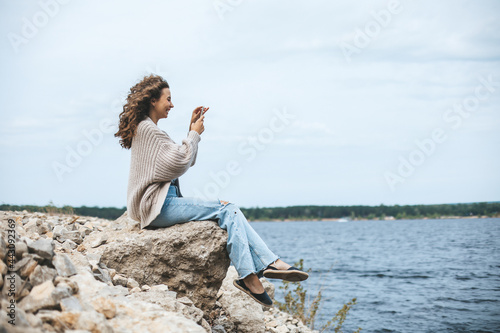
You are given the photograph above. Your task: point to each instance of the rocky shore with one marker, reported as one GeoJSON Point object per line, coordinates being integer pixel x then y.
{"type": "Point", "coordinates": [65, 273]}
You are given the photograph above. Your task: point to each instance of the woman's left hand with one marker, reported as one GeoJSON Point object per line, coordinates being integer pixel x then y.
{"type": "Point", "coordinates": [197, 114]}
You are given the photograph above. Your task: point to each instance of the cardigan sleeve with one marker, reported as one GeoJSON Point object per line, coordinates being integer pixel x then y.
{"type": "Point", "coordinates": [173, 160]}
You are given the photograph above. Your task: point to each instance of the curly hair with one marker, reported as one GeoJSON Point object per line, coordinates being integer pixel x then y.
{"type": "Point", "coordinates": [137, 107]}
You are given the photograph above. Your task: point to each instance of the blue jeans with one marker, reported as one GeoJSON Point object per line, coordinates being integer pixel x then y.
{"type": "Point", "coordinates": [247, 251]}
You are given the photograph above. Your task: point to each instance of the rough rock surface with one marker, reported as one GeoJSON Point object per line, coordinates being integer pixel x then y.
{"type": "Point", "coordinates": [62, 283]}
{"type": "Point", "coordinates": [191, 257]}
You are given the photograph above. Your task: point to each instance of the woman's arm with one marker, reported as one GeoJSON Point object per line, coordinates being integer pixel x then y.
{"type": "Point", "coordinates": [174, 160]}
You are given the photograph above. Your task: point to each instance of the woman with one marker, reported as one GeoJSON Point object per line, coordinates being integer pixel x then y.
{"type": "Point", "coordinates": [154, 196]}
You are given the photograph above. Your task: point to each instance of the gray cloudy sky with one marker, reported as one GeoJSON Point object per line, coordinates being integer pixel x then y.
{"type": "Point", "coordinates": [319, 102]}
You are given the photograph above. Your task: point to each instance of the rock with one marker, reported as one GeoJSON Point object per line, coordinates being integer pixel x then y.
{"type": "Point", "coordinates": [104, 306]}
{"type": "Point", "coordinates": [93, 321]}
{"type": "Point", "coordinates": [11, 281]}
{"type": "Point", "coordinates": [185, 301]}
{"type": "Point", "coordinates": [282, 329]}
{"type": "Point", "coordinates": [63, 265]}
{"type": "Point", "coordinates": [93, 258]}
{"type": "Point", "coordinates": [3, 248]}
{"type": "Point", "coordinates": [245, 313]}
{"type": "Point", "coordinates": [135, 290]}
{"type": "Point", "coordinates": [3, 268]}
{"type": "Point", "coordinates": [41, 274]}
{"type": "Point", "coordinates": [75, 236]}
{"type": "Point", "coordinates": [159, 287]}
{"type": "Point", "coordinates": [27, 269]}
{"type": "Point", "coordinates": [21, 248]}
{"type": "Point", "coordinates": [42, 296]}
{"type": "Point", "coordinates": [102, 274]}
{"type": "Point", "coordinates": [71, 304]}
{"type": "Point", "coordinates": [72, 297]}
{"type": "Point", "coordinates": [66, 281]}
{"type": "Point", "coordinates": [131, 283]}
{"type": "Point", "coordinates": [102, 240]}
{"type": "Point", "coordinates": [218, 329]}
{"type": "Point", "coordinates": [166, 300]}
{"type": "Point", "coordinates": [224, 322]}
{"type": "Point", "coordinates": [190, 257]}
{"type": "Point", "coordinates": [119, 279]}
{"type": "Point", "coordinates": [43, 247]}
{"type": "Point", "coordinates": [69, 245]}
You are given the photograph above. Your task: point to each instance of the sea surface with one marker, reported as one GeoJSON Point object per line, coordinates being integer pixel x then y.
{"type": "Point", "coordinates": [407, 275]}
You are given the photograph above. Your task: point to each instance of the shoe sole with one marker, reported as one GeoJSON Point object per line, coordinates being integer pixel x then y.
{"type": "Point", "coordinates": [249, 294]}
{"type": "Point", "coordinates": [292, 276]}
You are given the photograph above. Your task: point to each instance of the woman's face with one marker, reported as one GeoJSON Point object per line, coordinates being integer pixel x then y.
{"type": "Point", "coordinates": [160, 107]}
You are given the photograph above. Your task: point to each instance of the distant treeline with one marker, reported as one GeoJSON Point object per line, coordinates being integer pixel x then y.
{"type": "Point", "coordinates": [110, 213]}
{"type": "Point", "coordinates": [373, 212]}
{"type": "Point", "coordinates": [490, 209]}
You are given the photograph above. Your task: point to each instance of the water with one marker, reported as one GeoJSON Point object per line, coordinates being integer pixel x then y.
{"type": "Point", "coordinates": [407, 276]}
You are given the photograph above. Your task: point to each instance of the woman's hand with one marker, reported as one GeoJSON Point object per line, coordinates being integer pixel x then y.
{"type": "Point", "coordinates": [197, 126]}
{"type": "Point", "coordinates": [197, 113]}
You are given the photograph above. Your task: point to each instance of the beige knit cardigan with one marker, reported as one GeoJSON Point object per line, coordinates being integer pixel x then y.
{"type": "Point", "coordinates": [155, 160]}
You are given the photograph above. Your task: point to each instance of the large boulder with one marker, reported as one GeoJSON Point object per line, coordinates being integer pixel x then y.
{"type": "Point", "coordinates": [191, 258]}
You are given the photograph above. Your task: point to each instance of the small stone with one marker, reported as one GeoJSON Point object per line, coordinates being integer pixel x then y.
{"type": "Point", "coordinates": [69, 245]}
{"type": "Point", "coordinates": [3, 248]}
{"type": "Point", "coordinates": [218, 329]}
{"type": "Point", "coordinates": [41, 296]}
{"type": "Point", "coordinates": [8, 280]}
{"type": "Point", "coordinates": [3, 268]}
{"type": "Point", "coordinates": [282, 329]}
{"type": "Point", "coordinates": [71, 304]}
{"type": "Point", "coordinates": [75, 236]}
{"type": "Point", "coordinates": [112, 272]}
{"type": "Point", "coordinates": [63, 265]}
{"type": "Point", "coordinates": [21, 248]}
{"type": "Point", "coordinates": [41, 274]}
{"type": "Point", "coordinates": [101, 274]}
{"type": "Point", "coordinates": [295, 321]}
{"type": "Point", "coordinates": [28, 268]}
{"type": "Point", "coordinates": [70, 318]}
{"type": "Point", "coordinates": [43, 247]}
{"type": "Point", "coordinates": [160, 287]}
{"type": "Point", "coordinates": [81, 248]}
{"type": "Point", "coordinates": [131, 283]}
{"type": "Point", "coordinates": [104, 306]}
{"type": "Point", "coordinates": [98, 242]}
{"type": "Point", "coordinates": [72, 284]}
{"type": "Point", "coordinates": [135, 290]}
{"type": "Point", "coordinates": [53, 321]}
{"type": "Point", "coordinates": [84, 231]}
{"type": "Point", "coordinates": [120, 280]}
{"type": "Point", "coordinates": [145, 287]}
{"type": "Point", "coordinates": [185, 301]}
{"type": "Point", "coordinates": [93, 321]}
{"type": "Point", "coordinates": [272, 323]}
{"type": "Point", "coordinates": [93, 258]}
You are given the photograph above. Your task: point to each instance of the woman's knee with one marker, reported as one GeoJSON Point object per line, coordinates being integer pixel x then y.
{"type": "Point", "coordinates": [232, 208]}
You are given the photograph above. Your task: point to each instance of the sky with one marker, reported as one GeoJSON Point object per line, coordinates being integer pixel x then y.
{"type": "Point", "coordinates": [311, 103]}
